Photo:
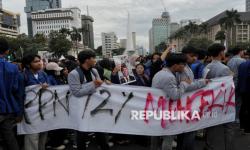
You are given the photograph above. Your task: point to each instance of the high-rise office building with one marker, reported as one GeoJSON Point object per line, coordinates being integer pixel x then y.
{"type": "Point", "coordinates": [161, 29]}
{"type": "Point", "coordinates": [134, 39]}
{"type": "Point", "coordinates": [123, 43]}
{"type": "Point", "coordinates": [247, 5]}
{"type": "Point", "coordinates": [36, 5]}
{"type": "Point", "coordinates": [1, 5]}
{"type": "Point", "coordinates": [151, 47]}
{"type": "Point", "coordinates": [88, 31]}
{"type": "Point", "coordinates": [9, 22]}
{"type": "Point", "coordinates": [109, 43]}
{"type": "Point", "coordinates": [45, 21]}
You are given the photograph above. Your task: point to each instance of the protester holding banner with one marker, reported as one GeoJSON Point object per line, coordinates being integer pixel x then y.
{"type": "Point", "coordinates": [166, 80]}
{"type": "Point", "coordinates": [56, 137]}
{"type": "Point", "coordinates": [53, 71]}
{"type": "Point", "coordinates": [11, 102]}
{"type": "Point", "coordinates": [224, 132]}
{"type": "Point", "coordinates": [186, 141]}
{"type": "Point", "coordinates": [83, 81]}
{"type": "Point", "coordinates": [34, 76]}
{"type": "Point", "coordinates": [191, 54]}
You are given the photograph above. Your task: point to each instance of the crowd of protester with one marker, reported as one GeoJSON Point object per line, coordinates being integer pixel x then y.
{"type": "Point", "coordinates": [174, 73]}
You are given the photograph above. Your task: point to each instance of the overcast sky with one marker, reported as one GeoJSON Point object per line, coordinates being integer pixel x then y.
{"type": "Point", "coordinates": [111, 15]}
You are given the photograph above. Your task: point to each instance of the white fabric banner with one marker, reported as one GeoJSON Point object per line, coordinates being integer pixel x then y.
{"type": "Point", "coordinates": [128, 109]}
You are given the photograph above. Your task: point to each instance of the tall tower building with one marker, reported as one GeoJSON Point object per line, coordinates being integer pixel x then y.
{"type": "Point", "coordinates": [9, 22]}
{"type": "Point", "coordinates": [1, 5]}
{"type": "Point", "coordinates": [109, 43]}
{"type": "Point", "coordinates": [247, 5]}
{"type": "Point", "coordinates": [88, 31]}
{"type": "Point", "coordinates": [123, 43]}
{"type": "Point", "coordinates": [36, 5]}
{"type": "Point", "coordinates": [134, 39]}
{"type": "Point", "coordinates": [151, 47]}
{"type": "Point", "coordinates": [161, 29]}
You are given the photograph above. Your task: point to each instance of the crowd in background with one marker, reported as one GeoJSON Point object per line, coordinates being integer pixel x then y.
{"type": "Point", "coordinates": [174, 73]}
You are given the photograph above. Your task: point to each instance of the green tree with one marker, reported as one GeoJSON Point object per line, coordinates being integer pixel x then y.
{"type": "Point", "coordinates": [161, 47]}
{"type": "Point", "coordinates": [203, 30]}
{"type": "Point", "coordinates": [99, 51]}
{"type": "Point", "coordinates": [23, 45]}
{"type": "Point", "coordinates": [200, 43]}
{"type": "Point", "coordinates": [40, 38]}
{"type": "Point", "coordinates": [220, 35]}
{"type": "Point", "coordinates": [188, 32]}
{"type": "Point", "coordinates": [75, 36]}
{"type": "Point", "coordinates": [228, 22]}
{"type": "Point", "coordinates": [59, 44]}
{"type": "Point", "coordinates": [191, 29]}
{"type": "Point", "coordinates": [65, 31]}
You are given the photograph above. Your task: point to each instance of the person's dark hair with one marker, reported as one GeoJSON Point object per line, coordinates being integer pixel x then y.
{"type": "Point", "coordinates": [112, 64]}
{"type": "Point", "coordinates": [189, 50]}
{"type": "Point", "coordinates": [84, 55]}
{"type": "Point", "coordinates": [140, 64]}
{"type": "Point", "coordinates": [175, 58]}
{"type": "Point", "coordinates": [228, 54]}
{"type": "Point", "coordinates": [70, 57]}
{"type": "Point", "coordinates": [70, 65]}
{"type": "Point", "coordinates": [105, 63]}
{"type": "Point", "coordinates": [4, 45]}
{"type": "Point", "coordinates": [236, 50]}
{"type": "Point", "coordinates": [247, 52]}
{"type": "Point", "coordinates": [215, 49]}
{"type": "Point", "coordinates": [201, 54]}
{"type": "Point", "coordinates": [156, 53]}
{"type": "Point", "coordinates": [50, 72]}
{"type": "Point", "coordinates": [100, 70]}
{"type": "Point", "coordinates": [148, 57]}
{"type": "Point", "coordinates": [27, 59]}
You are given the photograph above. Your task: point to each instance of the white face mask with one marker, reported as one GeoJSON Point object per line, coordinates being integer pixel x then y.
{"type": "Point", "coordinates": [57, 73]}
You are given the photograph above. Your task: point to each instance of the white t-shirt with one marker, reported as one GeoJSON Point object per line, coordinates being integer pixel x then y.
{"type": "Point", "coordinates": [36, 76]}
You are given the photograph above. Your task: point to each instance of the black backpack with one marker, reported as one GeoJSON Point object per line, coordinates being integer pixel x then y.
{"type": "Point", "coordinates": [81, 74]}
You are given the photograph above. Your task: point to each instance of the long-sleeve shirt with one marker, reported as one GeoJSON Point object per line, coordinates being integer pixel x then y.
{"type": "Point", "coordinates": [188, 74]}
{"type": "Point", "coordinates": [198, 68]}
{"type": "Point", "coordinates": [82, 89]}
{"type": "Point", "coordinates": [11, 100]}
{"type": "Point", "coordinates": [27, 78]}
{"type": "Point", "coordinates": [30, 78]}
{"type": "Point", "coordinates": [217, 69]}
{"type": "Point", "coordinates": [166, 81]}
{"type": "Point", "coordinates": [52, 80]}
{"type": "Point", "coordinates": [234, 64]}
